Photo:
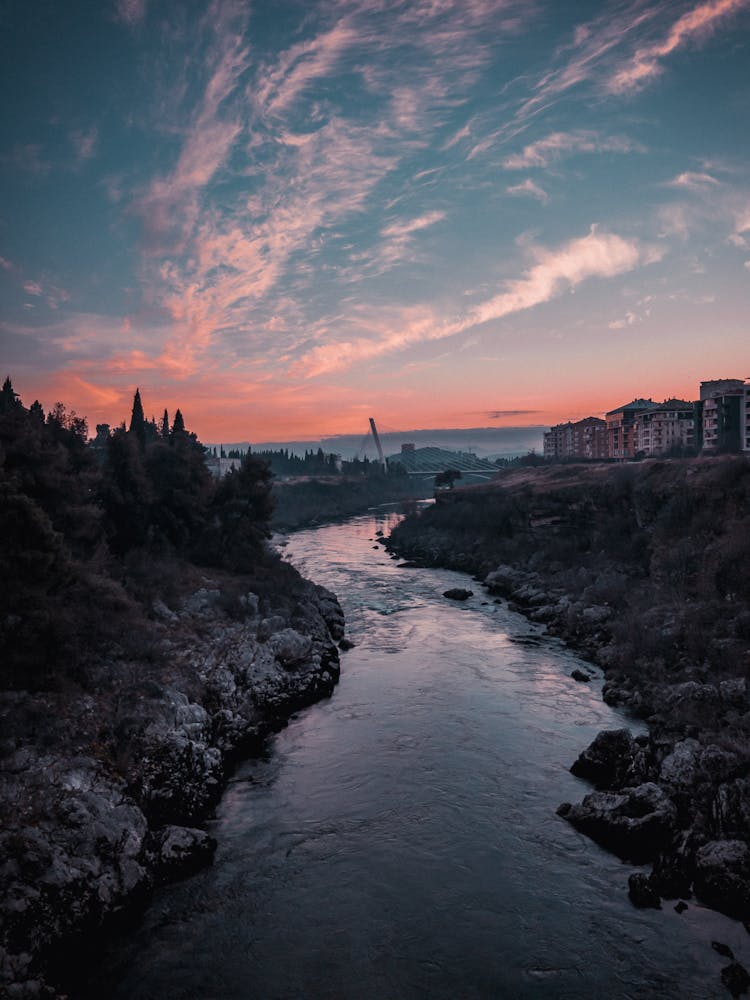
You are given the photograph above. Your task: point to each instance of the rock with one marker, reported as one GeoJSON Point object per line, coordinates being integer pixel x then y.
{"type": "Point", "coordinates": [678, 768]}
{"type": "Point", "coordinates": [615, 760]}
{"type": "Point", "coordinates": [734, 693]}
{"type": "Point", "coordinates": [458, 594]}
{"type": "Point", "coordinates": [290, 647]}
{"type": "Point", "coordinates": [504, 578]}
{"type": "Point", "coordinates": [722, 949]}
{"type": "Point", "coordinates": [722, 877]}
{"type": "Point", "coordinates": [179, 850]}
{"type": "Point", "coordinates": [690, 703]}
{"type": "Point", "coordinates": [268, 626]}
{"type": "Point", "coordinates": [681, 907]}
{"type": "Point", "coordinates": [160, 610]}
{"type": "Point", "coordinates": [346, 644]}
{"type": "Point", "coordinates": [642, 892]}
{"type": "Point", "coordinates": [735, 978]}
{"type": "Point", "coordinates": [636, 824]}
{"type": "Point", "coordinates": [730, 809]}
{"type": "Point", "coordinates": [579, 675]}
{"type": "Point", "coordinates": [672, 875]}
{"type": "Point", "coordinates": [202, 602]}
{"type": "Point", "coordinates": [330, 609]}
{"type": "Point", "coordinates": [595, 614]}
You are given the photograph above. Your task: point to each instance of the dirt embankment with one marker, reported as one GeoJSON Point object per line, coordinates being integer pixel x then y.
{"type": "Point", "coordinates": [646, 569]}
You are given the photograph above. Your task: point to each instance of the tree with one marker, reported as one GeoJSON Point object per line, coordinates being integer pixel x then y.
{"type": "Point", "coordinates": [127, 494]}
{"type": "Point", "coordinates": [137, 419]}
{"type": "Point", "coordinates": [447, 478]}
{"type": "Point", "coordinates": [102, 435]}
{"type": "Point", "coordinates": [164, 426]}
{"type": "Point", "coordinates": [178, 427]}
{"type": "Point", "coordinates": [241, 511]}
{"type": "Point", "coordinates": [9, 400]}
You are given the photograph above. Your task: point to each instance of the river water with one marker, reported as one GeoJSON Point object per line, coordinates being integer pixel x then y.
{"type": "Point", "coordinates": [400, 839]}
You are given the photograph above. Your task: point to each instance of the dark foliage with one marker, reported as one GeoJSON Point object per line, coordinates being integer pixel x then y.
{"type": "Point", "coordinates": [88, 525]}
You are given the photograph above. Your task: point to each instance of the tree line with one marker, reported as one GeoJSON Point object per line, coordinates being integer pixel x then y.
{"type": "Point", "coordinates": [77, 517]}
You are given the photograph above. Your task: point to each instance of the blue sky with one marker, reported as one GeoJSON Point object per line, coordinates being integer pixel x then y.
{"type": "Point", "coordinates": [287, 217]}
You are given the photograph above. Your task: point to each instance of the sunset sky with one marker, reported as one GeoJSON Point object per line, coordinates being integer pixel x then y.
{"type": "Point", "coordinates": [287, 217]}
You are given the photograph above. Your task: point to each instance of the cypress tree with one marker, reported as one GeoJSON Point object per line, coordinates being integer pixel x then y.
{"type": "Point", "coordinates": [164, 428]}
{"type": "Point", "coordinates": [137, 419]}
{"type": "Point", "coordinates": [178, 427]}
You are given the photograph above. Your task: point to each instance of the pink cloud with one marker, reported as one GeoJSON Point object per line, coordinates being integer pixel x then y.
{"type": "Point", "coordinates": [545, 151]}
{"type": "Point", "coordinates": [399, 229]}
{"type": "Point", "coordinates": [300, 65]}
{"type": "Point", "coordinates": [693, 181]}
{"type": "Point", "coordinates": [645, 64]}
{"type": "Point", "coordinates": [602, 255]}
{"type": "Point", "coordinates": [528, 189]}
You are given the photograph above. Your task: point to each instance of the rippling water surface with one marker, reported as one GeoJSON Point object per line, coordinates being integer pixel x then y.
{"type": "Point", "coordinates": [400, 840]}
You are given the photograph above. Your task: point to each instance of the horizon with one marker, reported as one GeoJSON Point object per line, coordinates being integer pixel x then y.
{"type": "Point", "coordinates": [283, 221]}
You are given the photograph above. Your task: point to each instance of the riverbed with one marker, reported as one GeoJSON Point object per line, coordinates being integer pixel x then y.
{"type": "Point", "coordinates": [400, 839]}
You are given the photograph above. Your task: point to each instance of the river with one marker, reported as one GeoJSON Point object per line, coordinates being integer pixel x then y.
{"type": "Point", "coordinates": [400, 839]}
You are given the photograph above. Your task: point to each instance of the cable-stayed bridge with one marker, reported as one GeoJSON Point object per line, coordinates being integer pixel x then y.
{"type": "Point", "coordinates": [427, 460]}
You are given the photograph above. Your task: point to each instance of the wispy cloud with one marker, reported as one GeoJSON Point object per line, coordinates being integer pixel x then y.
{"type": "Point", "coordinates": [27, 158]}
{"type": "Point", "coordinates": [52, 294]}
{"type": "Point", "coordinates": [130, 12]}
{"type": "Point", "coordinates": [401, 229]}
{"type": "Point", "coordinates": [237, 273]}
{"type": "Point", "coordinates": [84, 143]}
{"type": "Point", "coordinates": [553, 147]}
{"type": "Point", "coordinates": [692, 181]}
{"type": "Point", "coordinates": [646, 62]}
{"type": "Point", "coordinates": [503, 414]}
{"type": "Point", "coordinates": [597, 254]}
{"type": "Point", "coordinates": [528, 189]}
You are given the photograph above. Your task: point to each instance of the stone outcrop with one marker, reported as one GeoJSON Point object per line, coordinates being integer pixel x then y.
{"type": "Point", "coordinates": [104, 790]}
{"type": "Point", "coordinates": [635, 823]}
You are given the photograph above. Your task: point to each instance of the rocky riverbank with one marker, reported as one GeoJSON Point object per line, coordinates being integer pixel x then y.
{"type": "Point", "coordinates": [106, 781]}
{"type": "Point", "coordinates": [646, 570]}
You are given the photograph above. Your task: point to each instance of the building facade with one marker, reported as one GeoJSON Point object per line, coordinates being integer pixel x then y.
{"type": "Point", "coordinates": [667, 428]}
{"type": "Point", "coordinates": [621, 426]}
{"type": "Point", "coordinates": [585, 439]}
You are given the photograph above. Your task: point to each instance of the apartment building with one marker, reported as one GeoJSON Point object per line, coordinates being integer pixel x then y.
{"type": "Point", "coordinates": [621, 426]}
{"type": "Point", "coordinates": [717, 422]}
{"type": "Point", "coordinates": [723, 414]}
{"type": "Point", "coordinates": [667, 427]}
{"type": "Point", "coordinates": [585, 439]}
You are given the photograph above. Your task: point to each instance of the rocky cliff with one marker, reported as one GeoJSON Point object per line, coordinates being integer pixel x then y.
{"type": "Point", "coordinates": [106, 780]}
{"type": "Point", "coordinates": [645, 569]}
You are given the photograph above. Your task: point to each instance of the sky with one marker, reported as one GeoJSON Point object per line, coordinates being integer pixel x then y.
{"type": "Point", "coordinates": [287, 217]}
